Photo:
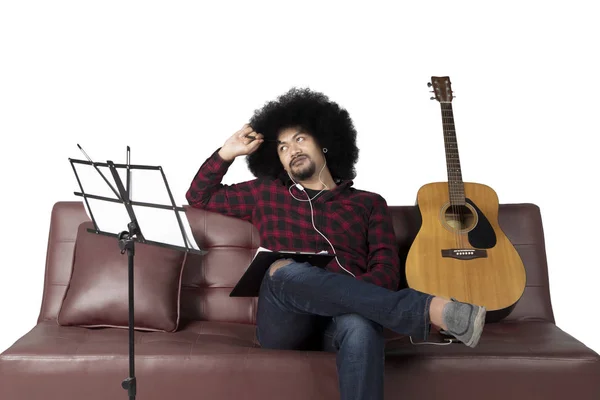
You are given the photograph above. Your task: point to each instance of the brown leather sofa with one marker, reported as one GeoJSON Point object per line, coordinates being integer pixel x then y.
{"type": "Point", "coordinates": [214, 355]}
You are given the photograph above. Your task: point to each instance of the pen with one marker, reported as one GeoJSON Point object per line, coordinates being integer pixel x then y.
{"type": "Point", "coordinates": [253, 138]}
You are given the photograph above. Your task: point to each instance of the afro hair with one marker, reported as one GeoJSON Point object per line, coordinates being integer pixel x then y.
{"type": "Point", "coordinates": [315, 114]}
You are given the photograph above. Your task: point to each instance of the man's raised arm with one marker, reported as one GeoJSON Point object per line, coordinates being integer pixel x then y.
{"type": "Point", "coordinates": [206, 190]}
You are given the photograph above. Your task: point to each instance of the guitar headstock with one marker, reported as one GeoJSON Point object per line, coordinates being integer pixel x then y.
{"type": "Point", "coordinates": [442, 89]}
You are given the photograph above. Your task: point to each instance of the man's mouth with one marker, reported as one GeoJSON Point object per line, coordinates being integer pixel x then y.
{"type": "Point", "coordinates": [299, 159]}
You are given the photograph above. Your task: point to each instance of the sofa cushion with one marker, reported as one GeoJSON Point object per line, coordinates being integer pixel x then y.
{"type": "Point", "coordinates": [97, 294]}
{"type": "Point", "coordinates": [220, 360]}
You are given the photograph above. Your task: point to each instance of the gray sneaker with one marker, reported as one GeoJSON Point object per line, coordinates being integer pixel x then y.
{"type": "Point", "coordinates": [464, 321]}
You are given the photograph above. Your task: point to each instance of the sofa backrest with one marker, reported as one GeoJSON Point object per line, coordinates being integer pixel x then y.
{"type": "Point", "coordinates": [208, 279]}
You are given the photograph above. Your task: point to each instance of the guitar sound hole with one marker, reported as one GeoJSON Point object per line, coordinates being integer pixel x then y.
{"type": "Point", "coordinates": [459, 218]}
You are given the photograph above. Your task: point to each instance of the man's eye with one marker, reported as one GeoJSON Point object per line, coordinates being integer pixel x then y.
{"type": "Point", "coordinates": [299, 137]}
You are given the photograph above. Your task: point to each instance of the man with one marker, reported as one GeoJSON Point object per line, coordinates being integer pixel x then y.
{"type": "Point", "coordinates": [302, 150]}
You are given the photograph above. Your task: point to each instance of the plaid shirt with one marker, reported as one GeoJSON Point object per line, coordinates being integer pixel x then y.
{"type": "Point", "coordinates": [356, 222]}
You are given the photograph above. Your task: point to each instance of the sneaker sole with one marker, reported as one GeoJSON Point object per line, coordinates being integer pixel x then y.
{"type": "Point", "coordinates": [477, 327]}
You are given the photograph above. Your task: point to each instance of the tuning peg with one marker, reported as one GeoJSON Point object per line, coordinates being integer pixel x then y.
{"type": "Point", "coordinates": [429, 84]}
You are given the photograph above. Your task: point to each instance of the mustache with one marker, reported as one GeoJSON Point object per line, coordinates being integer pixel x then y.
{"type": "Point", "coordinates": [293, 160]}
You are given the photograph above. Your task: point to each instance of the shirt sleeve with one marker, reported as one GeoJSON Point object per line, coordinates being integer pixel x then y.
{"type": "Point", "coordinates": [208, 193]}
{"type": "Point", "coordinates": [383, 264]}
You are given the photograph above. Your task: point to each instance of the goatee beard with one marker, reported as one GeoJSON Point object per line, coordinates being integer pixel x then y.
{"type": "Point", "coordinates": [305, 172]}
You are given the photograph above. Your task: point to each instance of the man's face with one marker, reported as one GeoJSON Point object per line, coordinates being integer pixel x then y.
{"type": "Point", "coordinates": [299, 153]}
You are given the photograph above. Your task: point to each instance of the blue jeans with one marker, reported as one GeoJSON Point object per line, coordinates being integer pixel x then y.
{"type": "Point", "coordinates": [302, 306]}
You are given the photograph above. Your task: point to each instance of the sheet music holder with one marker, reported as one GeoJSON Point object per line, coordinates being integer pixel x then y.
{"type": "Point", "coordinates": [249, 283]}
{"type": "Point", "coordinates": [134, 233]}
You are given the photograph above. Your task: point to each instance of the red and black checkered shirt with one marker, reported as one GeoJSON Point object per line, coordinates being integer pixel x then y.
{"type": "Point", "coordinates": [356, 222]}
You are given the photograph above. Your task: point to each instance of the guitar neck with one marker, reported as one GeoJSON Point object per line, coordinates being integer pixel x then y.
{"type": "Point", "coordinates": [455, 182]}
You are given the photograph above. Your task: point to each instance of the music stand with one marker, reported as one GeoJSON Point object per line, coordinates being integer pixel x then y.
{"type": "Point", "coordinates": [127, 238]}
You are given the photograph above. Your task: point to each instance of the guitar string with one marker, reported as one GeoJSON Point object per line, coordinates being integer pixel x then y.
{"type": "Point", "coordinates": [463, 208]}
{"type": "Point", "coordinates": [453, 167]}
{"type": "Point", "coordinates": [456, 175]}
{"type": "Point", "coordinates": [451, 189]}
{"type": "Point", "coordinates": [447, 148]}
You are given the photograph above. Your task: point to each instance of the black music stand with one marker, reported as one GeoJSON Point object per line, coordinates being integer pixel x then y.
{"type": "Point", "coordinates": [127, 238]}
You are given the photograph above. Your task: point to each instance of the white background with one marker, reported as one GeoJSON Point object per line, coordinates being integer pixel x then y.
{"type": "Point", "coordinates": [174, 80]}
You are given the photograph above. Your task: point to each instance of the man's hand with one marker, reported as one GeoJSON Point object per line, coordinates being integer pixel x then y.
{"type": "Point", "coordinates": [278, 264]}
{"type": "Point", "coordinates": [239, 145]}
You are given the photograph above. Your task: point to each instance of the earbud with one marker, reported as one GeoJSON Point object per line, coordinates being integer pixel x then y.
{"type": "Point", "coordinates": [299, 186]}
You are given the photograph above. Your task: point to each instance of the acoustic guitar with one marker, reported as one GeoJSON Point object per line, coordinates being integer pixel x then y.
{"type": "Point", "coordinates": [460, 250]}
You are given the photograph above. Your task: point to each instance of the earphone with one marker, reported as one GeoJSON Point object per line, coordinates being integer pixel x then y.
{"type": "Point", "coordinates": [301, 188]}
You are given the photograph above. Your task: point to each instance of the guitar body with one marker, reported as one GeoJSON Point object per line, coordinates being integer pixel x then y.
{"type": "Point", "coordinates": [461, 251]}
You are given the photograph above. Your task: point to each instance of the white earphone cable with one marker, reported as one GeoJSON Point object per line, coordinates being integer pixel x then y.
{"type": "Point", "coordinates": [312, 211]}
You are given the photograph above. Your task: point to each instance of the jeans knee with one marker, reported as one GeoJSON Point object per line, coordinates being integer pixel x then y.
{"type": "Point", "coordinates": [286, 270]}
{"type": "Point", "coordinates": [356, 331]}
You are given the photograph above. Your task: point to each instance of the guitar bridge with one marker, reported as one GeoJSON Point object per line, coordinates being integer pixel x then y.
{"type": "Point", "coordinates": [464, 254]}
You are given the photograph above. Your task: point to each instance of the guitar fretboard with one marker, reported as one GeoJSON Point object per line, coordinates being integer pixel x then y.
{"type": "Point", "coordinates": [455, 183]}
